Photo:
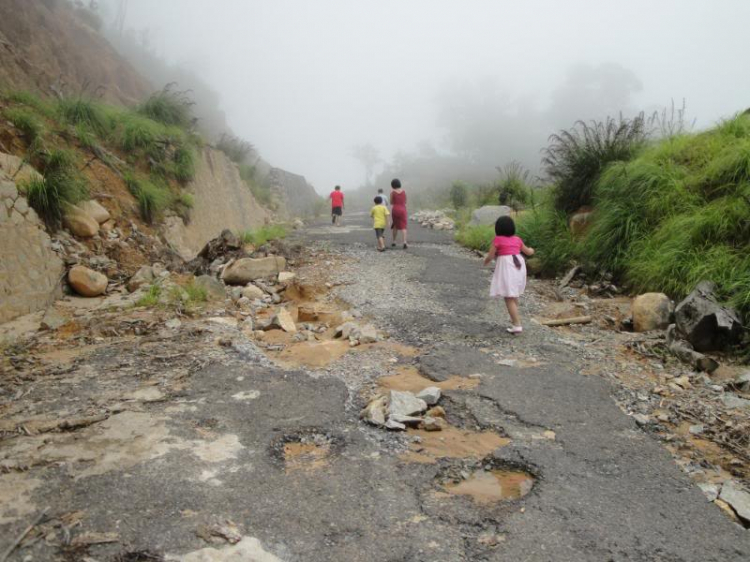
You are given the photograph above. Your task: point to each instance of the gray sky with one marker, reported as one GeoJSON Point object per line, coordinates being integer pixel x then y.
{"type": "Point", "coordinates": [307, 80]}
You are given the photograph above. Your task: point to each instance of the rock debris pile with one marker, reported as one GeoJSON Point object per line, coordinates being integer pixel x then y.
{"type": "Point", "coordinates": [437, 220]}
{"type": "Point", "coordinates": [399, 409]}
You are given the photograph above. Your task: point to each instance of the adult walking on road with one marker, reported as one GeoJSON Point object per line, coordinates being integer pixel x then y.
{"type": "Point", "coordinates": [399, 215]}
{"type": "Point", "coordinates": [337, 205]}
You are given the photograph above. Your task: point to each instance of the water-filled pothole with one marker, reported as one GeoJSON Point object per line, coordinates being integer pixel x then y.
{"type": "Point", "coordinates": [490, 486]}
{"type": "Point", "coordinates": [305, 450]}
{"type": "Point", "coordinates": [487, 482]}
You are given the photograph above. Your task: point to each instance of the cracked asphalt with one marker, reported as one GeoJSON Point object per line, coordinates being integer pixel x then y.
{"type": "Point", "coordinates": [210, 448]}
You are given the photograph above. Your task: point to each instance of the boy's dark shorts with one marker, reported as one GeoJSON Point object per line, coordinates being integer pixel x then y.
{"type": "Point", "coordinates": [379, 232]}
{"type": "Point", "coordinates": [337, 211]}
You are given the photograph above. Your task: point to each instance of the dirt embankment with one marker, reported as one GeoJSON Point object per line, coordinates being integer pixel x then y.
{"type": "Point", "coordinates": [43, 43]}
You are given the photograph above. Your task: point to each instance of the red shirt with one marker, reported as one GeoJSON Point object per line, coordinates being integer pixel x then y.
{"type": "Point", "coordinates": [337, 199]}
{"type": "Point", "coordinates": [507, 245]}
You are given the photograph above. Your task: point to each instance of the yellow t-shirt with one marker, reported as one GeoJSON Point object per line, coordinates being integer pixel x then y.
{"type": "Point", "coordinates": [379, 214]}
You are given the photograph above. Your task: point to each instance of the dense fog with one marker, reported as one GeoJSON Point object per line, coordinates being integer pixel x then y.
{"type": "Point", "coordinates": [321, 88]}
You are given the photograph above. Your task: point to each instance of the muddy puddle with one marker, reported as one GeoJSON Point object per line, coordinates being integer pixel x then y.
{"type": "Point", "coordinates": [306, 456]}
{"type": "Point", "coordinates": [315, 355]}
{"type": "Point", "coordinates": [453, 443]}
{"type": "Point", "coordinates": [491, 486]}
{"type": "Point", "coordinates": [409, 379]}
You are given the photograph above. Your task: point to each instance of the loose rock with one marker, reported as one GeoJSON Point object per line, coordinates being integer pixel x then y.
{"type": "Point", "coordinates": [374, 412]}
{"type": "Point", "coordinates": [651, 311]}
{"type": "Point", "coordinates": [144, 276]}
{"type": "Point", "coordinates": [87, 282]}
{"type": "Point", "coordinates": [283, 320]}
{"type": "Point", "coordinates": [431, 395]}
{"type": "Point", "coordinates": [404, 403]}
{"type": "Point", "coordinates": [433, 424]}
{"type": "Point", "coordinates": [213, 287]}
{"type": "Point", "coordinates": [706, 324]}
{"type": "Point", "coordinates": [737, 498]}
{"type": "Point", "coordinates": [79, 222]}
{"type": "Point", "coordinates": [95, 211]}
{"type": "Point", "coordinates": [244, 270]}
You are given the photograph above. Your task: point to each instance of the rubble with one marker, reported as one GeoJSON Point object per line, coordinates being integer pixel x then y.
{"type": "Point", "coordinates": [283, 320]}
{"type": "Point", "coordinates": [213, 287]}
{"type": "Point", "coordinates": [431, 395]}
{"type": "Point", "coordinates": [738, 499]}
{"type": "Point", "coordinates": [79, 222]}
{"type": "Point", "coordinates": [95, 211]}
{"type": "Point", "coordinates": [404, 403]}
{"type": "Point", "coordinates": [437, 220]}
{"type": "Point", "coordinates": [144, 276]}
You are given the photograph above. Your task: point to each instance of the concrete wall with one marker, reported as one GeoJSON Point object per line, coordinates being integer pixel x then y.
{"type": "Point", "coordinates": [30, 271]}
{"type": "Point", "coordinates": [222, 200]}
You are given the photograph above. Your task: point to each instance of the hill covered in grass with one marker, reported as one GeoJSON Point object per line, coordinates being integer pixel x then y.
{"type": "Point", "coordinates": [676, 213]}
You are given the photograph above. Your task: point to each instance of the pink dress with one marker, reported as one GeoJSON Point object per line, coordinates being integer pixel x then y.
{"type": "Point", "coordinates": [508, 280]}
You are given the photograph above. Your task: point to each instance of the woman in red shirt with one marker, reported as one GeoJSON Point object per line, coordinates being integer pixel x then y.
{"type": "Point", "coordinates": [399, 215]}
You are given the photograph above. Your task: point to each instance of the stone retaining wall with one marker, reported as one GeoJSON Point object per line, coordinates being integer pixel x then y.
{"type": "Point", "coordinates": [30, 271]}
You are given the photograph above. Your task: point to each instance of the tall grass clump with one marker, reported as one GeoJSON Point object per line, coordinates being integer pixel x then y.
{"type": "Point", "coordinates": [26, 122]}
{"type": "Point", "coordinates": [152, 198]}
{"type": "Point", "coordinates": [60, 185]}
{"type": "Point", "coordinates": [546, 230]}
{"type": "Point", "coordinates": [140, 133]}
{"type": "Point", "coordinates": [514, 186]}
{"type": "Point", "coordinates": [575, 158]}
{"type": "Point", "coordinates": [183, 164]}
{"type": "Point", "coordinates": [77, 111]}
{"type": "Point", "coordinates": [169, 107]}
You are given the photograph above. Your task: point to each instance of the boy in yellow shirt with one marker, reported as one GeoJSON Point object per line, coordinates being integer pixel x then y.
{"type": "Point", "coordinates": [379, 214]}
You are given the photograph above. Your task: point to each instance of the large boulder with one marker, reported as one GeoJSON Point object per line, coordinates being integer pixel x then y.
{"type": "Point", "coordinates": [651, 311]}
{"type": "Point", "coordinates": [79, 222]}
{"type": "Point", "coordinates": [87, 282]}
{"type": "Point", "coordinates": [244, 270]}
{"type": "Point", "coordinates": [95, 211]}
{"type": "Point", "coordinates": [488, 214]}
{"type": "Point", "coordinates": [706, 324]}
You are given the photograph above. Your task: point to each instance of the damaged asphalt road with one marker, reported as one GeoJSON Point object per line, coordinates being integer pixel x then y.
{"type": "Point", "coordinates": [214, 435]}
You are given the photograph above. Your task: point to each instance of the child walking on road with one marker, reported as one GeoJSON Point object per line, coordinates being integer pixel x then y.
{"type": "Point", "coordinates": [379, 214]}
{"type": "Point", "coordinates": [509, 279]}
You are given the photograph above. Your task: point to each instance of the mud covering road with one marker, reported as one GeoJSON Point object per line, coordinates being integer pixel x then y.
{"type": "Point", "coordinates": [212, 450]}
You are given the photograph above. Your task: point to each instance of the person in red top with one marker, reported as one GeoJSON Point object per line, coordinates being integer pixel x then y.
{"type": "Point", "coordinates": [337, 205]}
{"type": "Point", "coordinates": [398, 212]}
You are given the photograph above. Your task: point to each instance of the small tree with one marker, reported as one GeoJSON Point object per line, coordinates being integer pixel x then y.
{"type": "Point", "coordinates": [459, 195]}
{"type": "Point", "coordinates": [369, 156]}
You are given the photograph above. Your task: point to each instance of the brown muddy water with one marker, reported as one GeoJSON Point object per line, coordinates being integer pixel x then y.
{"type": "Point", "coordinates": [490, 486]}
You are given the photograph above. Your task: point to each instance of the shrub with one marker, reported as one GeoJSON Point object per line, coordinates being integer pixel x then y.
{"type": "Point", "coordinates": [459, 195]}
{"type": "Point", "coordinates": [26, 122]}
{"type": "Point", "coordinates": [260, 190]}
{"type": "Point", "coordinates": [152, 296]}
{"type": "Point", "coordinates": [45, 198]}
{"type": "Point", "coordinates": [235, 148]}
{"type": "Point", "coordinates": [88, 112]}
{"type": "Point", "coordinates": [85, 136]}
{"type": "Point", "coordinates": [576, 158]}
{"type": "Point", "coordinates": [169, 107]}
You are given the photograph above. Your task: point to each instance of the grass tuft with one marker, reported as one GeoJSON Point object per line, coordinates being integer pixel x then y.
{"type": "Point", "coordinates": [169, 107]}
{"type": "Point", "coordinates": [263, 235]}
{"type": "Point", "coordinates": [26, 122]}
{"type": "Point", "coordinates": [152, 198]}
{"type": "Point", "coordinates": [77, 111]}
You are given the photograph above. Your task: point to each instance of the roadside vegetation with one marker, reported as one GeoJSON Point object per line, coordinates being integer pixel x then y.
{"type": "Point", "coordinates": [657, 206]}
{"type": "Point", "coordinates": [184, 298]}
{"type": "Point", "coordinates": [152, 147]}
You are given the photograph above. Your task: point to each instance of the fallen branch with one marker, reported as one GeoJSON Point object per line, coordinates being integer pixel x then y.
{"type": "Point", "coordinates": [569, 276]}
{"type": "Point", "coordinates": [22, 536]}
{"type": "Point", "coordinates": [566, 321]}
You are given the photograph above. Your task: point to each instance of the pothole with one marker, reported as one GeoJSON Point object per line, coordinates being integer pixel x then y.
{"type": "Point", "coordinates": [488, 484]}
{"type": "Point", "coordinates": [305, 450]}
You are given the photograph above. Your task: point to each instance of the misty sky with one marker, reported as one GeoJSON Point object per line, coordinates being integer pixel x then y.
{"type": "Point", "coordinates": [307, 80]}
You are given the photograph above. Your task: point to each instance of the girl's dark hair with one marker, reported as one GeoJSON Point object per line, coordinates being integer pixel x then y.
{"type": "Point", "coordinates": [505, 226]}
{"type": "Point", "coordinates": [395, 184]}
{"type": "Point", "coordinates": [337, 188]}
{"type": "Point", "coordinates": [378, 200]}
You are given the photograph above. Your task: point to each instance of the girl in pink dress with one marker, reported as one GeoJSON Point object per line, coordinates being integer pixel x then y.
{"type": "Point", "coordinates": [509, 279]}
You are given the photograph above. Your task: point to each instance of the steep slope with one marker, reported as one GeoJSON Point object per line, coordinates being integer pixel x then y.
{"type": "Point", "coordinates": [42, 44]}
